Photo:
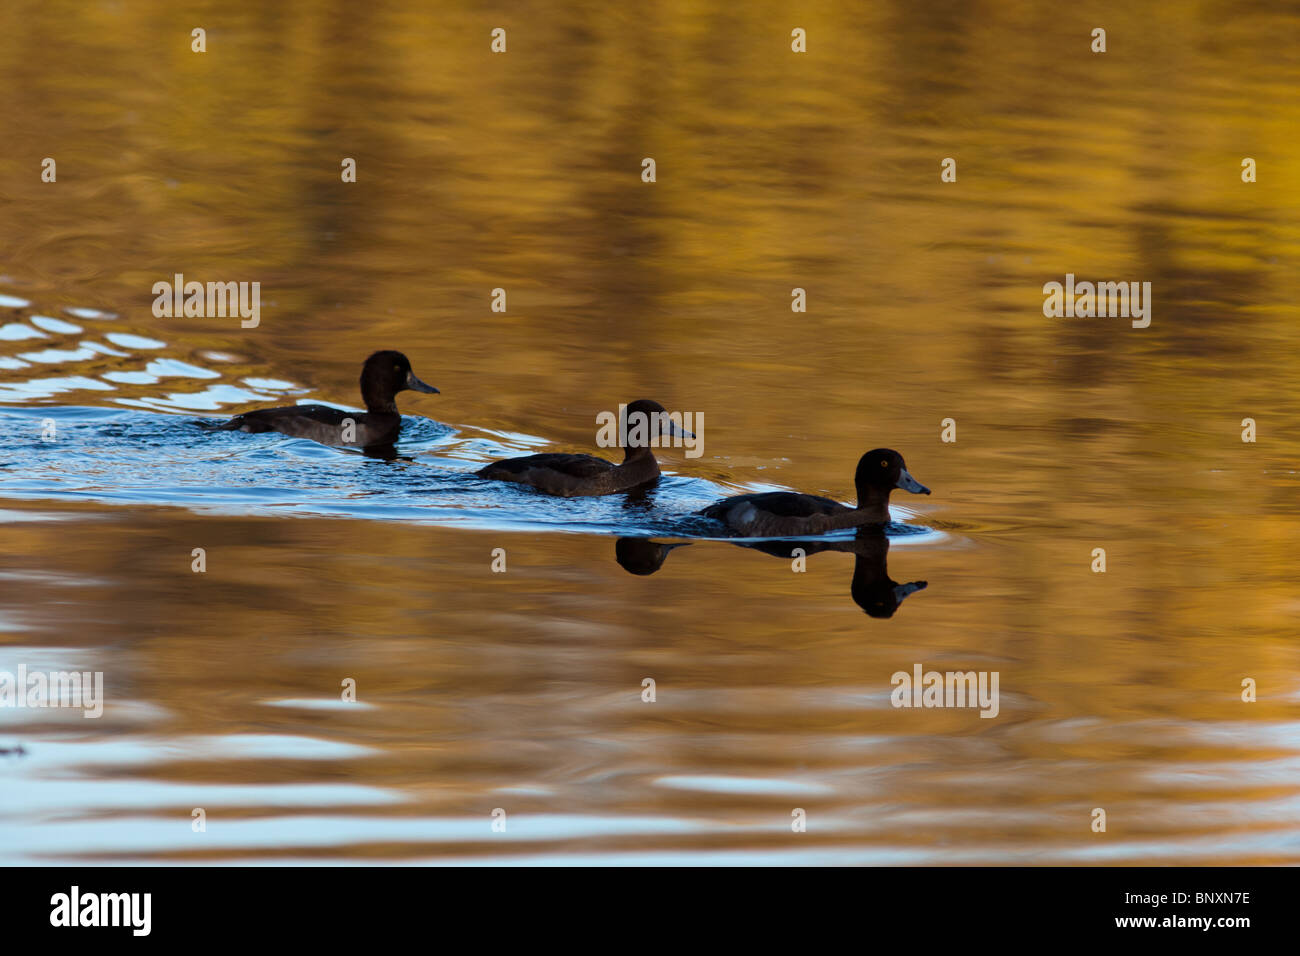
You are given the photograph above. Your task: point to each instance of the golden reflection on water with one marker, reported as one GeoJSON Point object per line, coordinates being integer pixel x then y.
{"type": "Point", "coordinates": [775, 171]}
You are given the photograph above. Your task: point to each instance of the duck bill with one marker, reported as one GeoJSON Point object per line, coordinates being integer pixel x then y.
{"type": "Point", "coordinates": [677, 430]}
{"type": "Point", "coordinates": [415, 385]}
{"type": "Point", "coordinates": [908, 483]}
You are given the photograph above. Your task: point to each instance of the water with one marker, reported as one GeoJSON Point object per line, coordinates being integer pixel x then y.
{"type": "Point", "coordinates": [478, 690]}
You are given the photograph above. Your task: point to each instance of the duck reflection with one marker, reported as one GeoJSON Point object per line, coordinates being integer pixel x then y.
{"type": "Point", "coordinates": [872, 589]}
{"type": "Point", "coordinates": [643, 555]}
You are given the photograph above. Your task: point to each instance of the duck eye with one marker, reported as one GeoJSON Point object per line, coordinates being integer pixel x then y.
{"type": "Point", "coordinates": [884, 463]}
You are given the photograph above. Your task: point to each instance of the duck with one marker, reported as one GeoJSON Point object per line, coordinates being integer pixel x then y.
{"type": "Point", "coordinates": [572, 476]}
{"type": "Point", "coordinates": [782, 514]}
{"type": "Point", "coordinates": [383, 375]}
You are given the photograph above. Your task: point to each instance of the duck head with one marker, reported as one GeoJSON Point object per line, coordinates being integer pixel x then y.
{"type": "Point", "coordinates": [880, 471]}
{"type": "Point", "coordinates": [646, 421]}
{"type": "Point", "coordinates": [384, 375]}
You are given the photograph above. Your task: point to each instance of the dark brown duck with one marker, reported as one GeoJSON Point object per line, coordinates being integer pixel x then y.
{"type": "Point", "coordinates": [571, 476]}
{"type": "Point", "coordinates": [779, 514]}
{"type": "Point", "coordinates": [383, 375]}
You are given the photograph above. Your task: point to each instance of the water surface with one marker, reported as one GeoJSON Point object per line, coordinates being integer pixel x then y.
{"type": "Point", "coordinates": [478, 690]}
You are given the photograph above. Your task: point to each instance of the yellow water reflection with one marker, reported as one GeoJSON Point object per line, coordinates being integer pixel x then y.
{"type": "Point", "coordinates": [775, 171]}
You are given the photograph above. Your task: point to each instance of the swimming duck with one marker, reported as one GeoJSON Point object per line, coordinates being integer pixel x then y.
{"type": "Point", "coordinates": [571, 476]}
{"type": "Point", "coordinates": [779, 514]}
{"type": "Point", "coordinates": [383, 375]}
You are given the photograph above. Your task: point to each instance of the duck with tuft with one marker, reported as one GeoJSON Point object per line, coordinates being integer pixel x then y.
{"type": "Point", "coordinates": [571, 476]}
{"type": "Point", "coordinates": [383, 375]}
{"type": "Point", "coordinates": [783, 514]}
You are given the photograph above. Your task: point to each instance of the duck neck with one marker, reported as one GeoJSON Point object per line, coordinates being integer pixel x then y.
{"type": "Point", "coordinates": [640, 463]}
{"type": "Point", "coordinates": [377, 394]}
{"type": "Point", "coordinates": [638, 454]}
{"type": "Point", "coordinates": [376, 406]}
{"type": "Point", "coordinates": [873, 508]}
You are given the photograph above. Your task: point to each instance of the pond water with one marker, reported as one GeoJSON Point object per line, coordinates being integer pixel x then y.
{"type": "Point", "coordinates": [521, 690]}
